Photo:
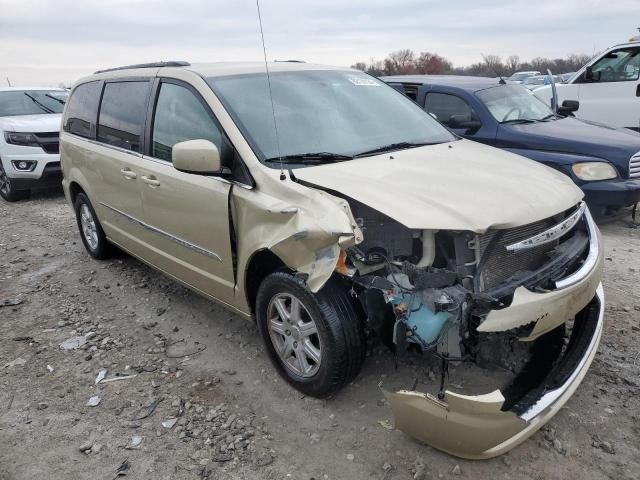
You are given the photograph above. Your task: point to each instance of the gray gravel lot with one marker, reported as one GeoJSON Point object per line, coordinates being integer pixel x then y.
{"type": "Point", "coordinates": [190, 393]}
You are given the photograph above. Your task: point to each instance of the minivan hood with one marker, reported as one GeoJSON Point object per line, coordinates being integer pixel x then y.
{"type": "Point", "coordinates": [461, 185]}
{"type": "Point", "coordinates": [574, 136]}
{"type": "Point", "coordinates": [47, 122]}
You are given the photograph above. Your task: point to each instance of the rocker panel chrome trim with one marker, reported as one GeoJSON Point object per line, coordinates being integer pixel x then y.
{"type": "Point", "coordinates": [178, 240]}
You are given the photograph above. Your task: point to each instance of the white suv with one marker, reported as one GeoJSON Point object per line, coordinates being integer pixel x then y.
{"type": "Point", "coordinates": [29, 137]}
{"type": "Point", "coordinates": [608, 87]}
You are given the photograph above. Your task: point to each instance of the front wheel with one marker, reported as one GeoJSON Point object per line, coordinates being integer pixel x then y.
{"type": "Point", "coordinates": [7, 190]}
{"type": "Point", "coordinates": [316, 341]}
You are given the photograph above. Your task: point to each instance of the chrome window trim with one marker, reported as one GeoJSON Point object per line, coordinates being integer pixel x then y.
{"type": "Point", "coordinates": [550, 234]}
{"type": "Point", "coordinates": [592, 256]}
{"type": "Point", "coordinates": [549, 398]}
{"type": "Point", "coordinates": [178, 240]}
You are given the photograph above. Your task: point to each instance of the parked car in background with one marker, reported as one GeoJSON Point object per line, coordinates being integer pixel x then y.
{"type": "Point", "coordinates": [321, 202]}
{"type": "Point", "coordinates": [603, 161]}
{"type": "Point", "coordinates": [538, 80]}
{"type": "Point", "coordinates": [520, 77]}
{"type": "Point", "coordinates": [29, 130]}
{"type": "Point", "coordinates": [608, 87]}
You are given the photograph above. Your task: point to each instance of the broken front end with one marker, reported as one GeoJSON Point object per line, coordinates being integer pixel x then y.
{"type": "Point", "coordinates": [523, 303]}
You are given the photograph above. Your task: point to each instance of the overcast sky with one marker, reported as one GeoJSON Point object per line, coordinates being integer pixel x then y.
{"type": "Point", "coordinates": [45, 42]}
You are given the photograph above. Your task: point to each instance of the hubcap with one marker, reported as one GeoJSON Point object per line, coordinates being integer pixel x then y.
{"type": "Point", "coordinates": [5, 184]}
{"type": "Point", "coordinates": [88, 225]}
{"type": "Point", "coordinates": [294, 335]}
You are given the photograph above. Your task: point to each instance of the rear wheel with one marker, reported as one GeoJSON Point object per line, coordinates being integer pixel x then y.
{"type": "Point", "coordinates": [7, 191]}
{"type": "Point", "coordinates": [91, 232]}
{"type": "Point", "coordinates": [316, 341]}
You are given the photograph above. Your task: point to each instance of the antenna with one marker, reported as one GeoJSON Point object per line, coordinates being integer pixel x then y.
{"type": "Point", "coordinates": [273, 109]}
{"type": "Point", "coordinates": [495, 70]}
{"type": "Point", "coordinates": [8, 82]}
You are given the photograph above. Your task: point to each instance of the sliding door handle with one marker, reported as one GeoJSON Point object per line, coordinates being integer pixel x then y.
{"type": "Point", "coordinates": [638, 91]}
{"type": "Point", "coordinates": [128, 173]}
{"type": "Point", "coordinates": [151, 180]}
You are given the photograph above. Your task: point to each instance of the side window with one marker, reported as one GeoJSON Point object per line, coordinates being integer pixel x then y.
{"type": "Point", "coordinates": [82, 111]}
{"type": "Point", "coordinates": [444, 106]}
{"type": "Point", "coordinates": [122, 114]}
{"type": "Point", "coordinates": [618, 66]}
{"type": "Point", "coordinates": [179, 116]}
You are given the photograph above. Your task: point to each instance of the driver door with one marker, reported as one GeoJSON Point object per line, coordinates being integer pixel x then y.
{"type": "Point", "coordinates": [612, 96]}
{"type": "Point", "coordinates": [187, 214]}
{"type": "Point", "coordinates": [444, 105]}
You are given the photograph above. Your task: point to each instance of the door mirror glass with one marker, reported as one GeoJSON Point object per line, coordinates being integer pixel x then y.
{"type": "Point", "coordinates": [462, 121]}
{"type": "Point", "coordinates": [196, 156]}
{"type": "Point", "coordinates": [568, 107]}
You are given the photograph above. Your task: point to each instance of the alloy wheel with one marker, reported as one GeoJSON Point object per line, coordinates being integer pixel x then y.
{"type": "Point", "coordinates": [89, 229]}
{"type": "Point", "coordinates": [294, 335]}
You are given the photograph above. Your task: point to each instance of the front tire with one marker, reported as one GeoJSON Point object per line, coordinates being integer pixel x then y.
{"type": "Point", "coordinates": [7, 191]}
{"type": "Point", "coordinates": [91, 232]}
{"type": "Point", "coordinates": [316, 341]}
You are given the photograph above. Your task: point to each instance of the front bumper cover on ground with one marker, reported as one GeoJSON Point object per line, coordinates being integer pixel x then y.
{"type": "Point", "coordinates": [476, 427]}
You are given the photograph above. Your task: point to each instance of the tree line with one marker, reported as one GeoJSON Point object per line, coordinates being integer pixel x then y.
{"type": "Point", "coordinates": [406, 62]}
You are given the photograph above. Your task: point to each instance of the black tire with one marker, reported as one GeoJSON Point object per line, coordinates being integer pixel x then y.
{"type": "Point", "coordinates": [7, 191]}
{"type": "Point", "coordinates": [339, 328]}
{"type": "Point", "coordinates": [99, 248]}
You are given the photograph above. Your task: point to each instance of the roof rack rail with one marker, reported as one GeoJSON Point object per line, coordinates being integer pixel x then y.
{"type": "Point", "coordinates": [147, 65]}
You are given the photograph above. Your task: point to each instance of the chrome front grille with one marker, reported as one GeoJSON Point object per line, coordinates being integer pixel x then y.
{"type": "Point", "coordinates": [634, 166]}
{"type": "Point", "coordinates": [496, 264]}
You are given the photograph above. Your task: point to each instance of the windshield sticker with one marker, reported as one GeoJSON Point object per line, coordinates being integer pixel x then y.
{"type": "Point", "coordinates": [363, 81]}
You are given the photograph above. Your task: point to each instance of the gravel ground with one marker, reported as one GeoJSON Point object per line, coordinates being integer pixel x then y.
{"type": "Point", "coordinates": [190, 393]}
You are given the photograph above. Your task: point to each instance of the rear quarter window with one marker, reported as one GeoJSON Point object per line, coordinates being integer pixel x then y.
{"type": "Point", "coordinates": [82, 110]}
{"type": "Point", "coordinates": [122, 114]}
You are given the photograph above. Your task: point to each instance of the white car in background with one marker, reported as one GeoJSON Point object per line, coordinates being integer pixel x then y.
{"type": "Point", "coordinates": [29, 137]}
{"type": "Point", "coordinates": [520, 77]}
{"type": "Point", "coordinates": [608, 87]}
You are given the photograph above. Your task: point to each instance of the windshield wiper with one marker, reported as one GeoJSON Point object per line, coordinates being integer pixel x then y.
{"type": "Point", "coordinates": [44, 107]}
{"type": "Point", "coordinates": [55, 98]}
{"type": "Point", "coordinates": [392, 146]}
{"type": "Point", "coordinates": [310, 158]}
{"type": "Point", "coordinates": [549, 117]}
{"type": "Point", "coordinates": [520, 120]}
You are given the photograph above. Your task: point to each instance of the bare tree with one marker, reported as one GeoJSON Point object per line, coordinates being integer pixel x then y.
{"type": "Point", "coordinates": [401, 62]}
{"type": "Point", "coordinates": [432, 64]}
{"type": "Point", "coordinates": [512, 64]}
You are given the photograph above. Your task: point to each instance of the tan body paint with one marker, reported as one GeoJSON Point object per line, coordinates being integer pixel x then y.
{"type": "Point", "coordinates": [441, 187]}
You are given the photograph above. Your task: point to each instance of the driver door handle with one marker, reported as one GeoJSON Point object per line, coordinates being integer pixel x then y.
{"type": "Point", "coordinates": [128, 173]}
{"type": "Point", "coordinates": [151, 180]}
{"type": "Point", "coordinates": [638, 91]}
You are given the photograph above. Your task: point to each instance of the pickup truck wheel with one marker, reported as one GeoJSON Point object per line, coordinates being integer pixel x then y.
{"type": "Point", "coordinates": [316, 341]}
{"type": "Point", "coordinates": [7, 191]}
{"type": "Point", "coordinates": [91, 232]}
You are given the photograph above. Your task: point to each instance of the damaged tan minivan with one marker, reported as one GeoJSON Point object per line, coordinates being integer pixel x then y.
{"type": "Point", "coordinates": [332, 209]}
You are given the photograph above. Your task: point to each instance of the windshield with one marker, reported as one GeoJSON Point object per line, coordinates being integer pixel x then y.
{"type": "Point", "coordinates": [535, 81]}
{"type": "Point", "coordinates": [31, 102]}
{"type": "Point", "coordinates": [334, 113]}
{"type": "Point", "coordinates": [513, 103]}
{"type": "Point", "coordinates": [518, 77]}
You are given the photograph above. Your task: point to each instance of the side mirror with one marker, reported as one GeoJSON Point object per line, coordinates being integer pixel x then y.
{"type": "Point", "coordinates": [568, 107]}
{"type": "Point", "coordinates": [462, 121]}
{"type": "Point", "coordinates": [196, 156]}
{"type": "Point", "coordinates": [591, 76]}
